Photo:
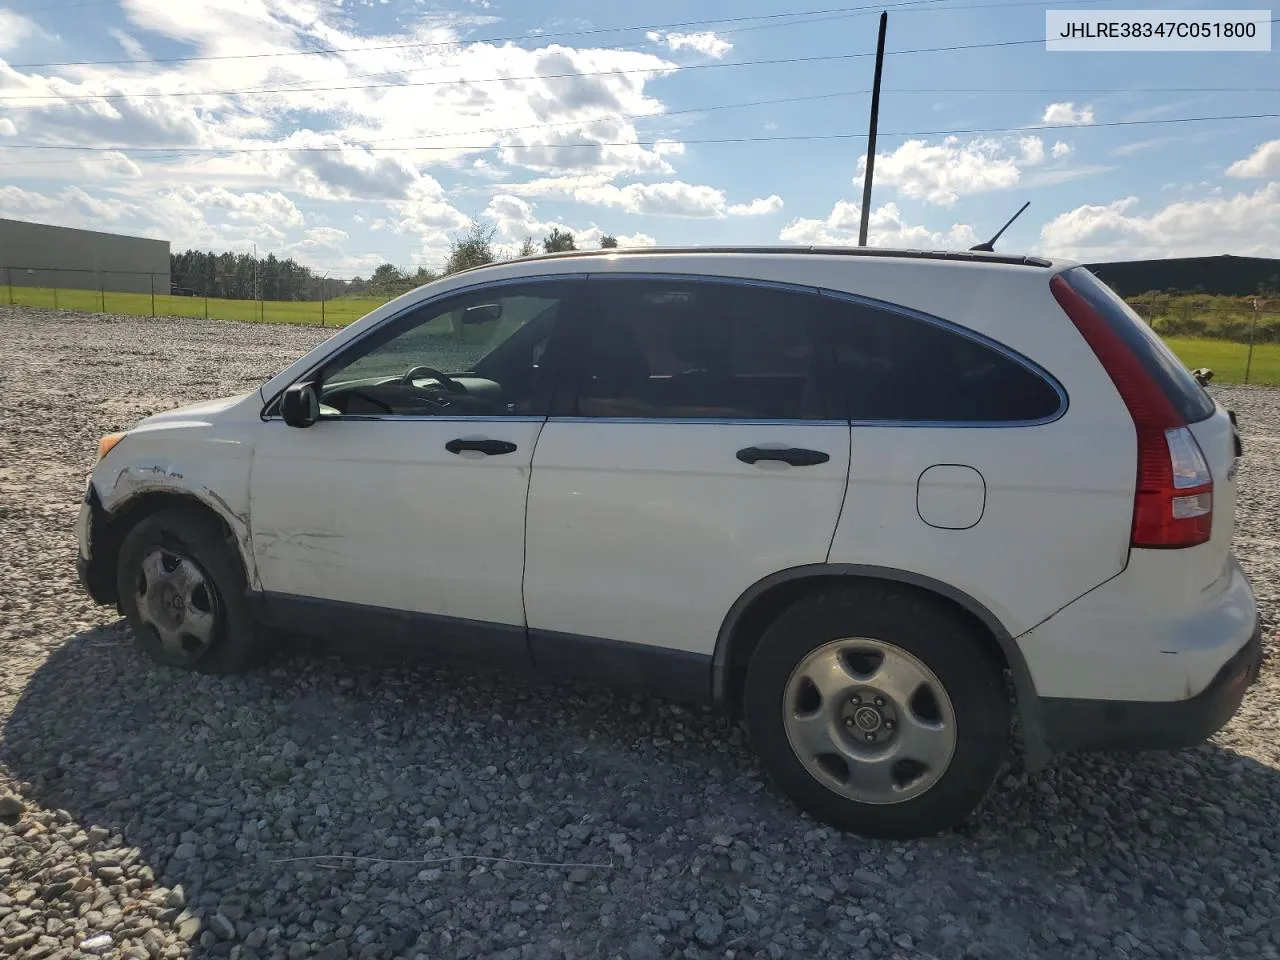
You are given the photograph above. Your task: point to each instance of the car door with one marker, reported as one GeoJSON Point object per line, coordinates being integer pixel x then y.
{"type": "Point", "coordinates": [403, 506]}
{"type": "Point", "coordinates": [699, 451]}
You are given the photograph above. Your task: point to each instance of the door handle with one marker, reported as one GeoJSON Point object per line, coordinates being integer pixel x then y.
{"type": "Point", "coordinates": [491, 448]}
{"type": "Point", "coordinates": [796, 456]}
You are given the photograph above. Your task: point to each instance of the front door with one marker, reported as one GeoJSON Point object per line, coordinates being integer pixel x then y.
{"type": "Point", "coordinates": [408, 496]}
{"type": "Point", "coordinates": [700, 452]}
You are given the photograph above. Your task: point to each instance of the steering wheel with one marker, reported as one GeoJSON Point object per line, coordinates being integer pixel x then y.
{"type": "Point", "coordinates": [446, 381]}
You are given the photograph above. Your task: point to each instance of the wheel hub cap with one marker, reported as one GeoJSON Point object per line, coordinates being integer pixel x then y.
{"type": "Point", "coordinates": [869, 720]}
{"type": "Point", "coordinates": [177, 602]}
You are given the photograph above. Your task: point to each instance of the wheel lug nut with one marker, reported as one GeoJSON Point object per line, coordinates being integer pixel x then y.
{"type": "Point", "coordinates": [855, 699]}
{"type": "Point", "coordinates": [888, 724]}
{"type": "Point", "coordinates": [871, 736]}
{"type": "Point", "coordinates": [879, 701]}
{"type": "Point", "coordinates": [848, 721]}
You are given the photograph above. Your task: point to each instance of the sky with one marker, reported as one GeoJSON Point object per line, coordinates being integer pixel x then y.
{"type": "Point", "coordinates": [348, 133]}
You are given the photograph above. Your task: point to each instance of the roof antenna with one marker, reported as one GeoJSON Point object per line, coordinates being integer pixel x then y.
{"type": "Point", "coordinates": [990, 245]}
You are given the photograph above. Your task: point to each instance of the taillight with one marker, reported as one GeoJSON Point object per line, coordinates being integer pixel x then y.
{"type": "Point", "coordinates": [1173, 503]}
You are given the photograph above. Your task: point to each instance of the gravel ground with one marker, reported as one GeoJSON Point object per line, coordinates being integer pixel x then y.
{"type": "Point", "coordinates": [148, 813]}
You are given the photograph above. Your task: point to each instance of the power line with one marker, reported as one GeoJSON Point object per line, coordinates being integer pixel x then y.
{"type": "Point", "coordinates": [249, 91]}
{"type": "Point", "coordinates": [780, 138]}
{"type": "Point", "coordinates": [507, 39]}
{"type": "Point", "coordinates": [93, 98]}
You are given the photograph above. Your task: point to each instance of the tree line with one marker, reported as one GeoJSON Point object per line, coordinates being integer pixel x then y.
{"type": "Point", "coordinates": [241, 276]}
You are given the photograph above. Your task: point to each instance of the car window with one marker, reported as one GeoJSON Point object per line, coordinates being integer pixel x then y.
{"type": "Point", "coordinates": [660, 349]}
{"type": "Point", "coordinates": [480, 354]}
{"type": "Point", "coordinates": [898, 367]}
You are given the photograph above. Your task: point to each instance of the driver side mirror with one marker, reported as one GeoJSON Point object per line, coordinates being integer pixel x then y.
{"type": "Point", "coordinates": [300, 405]}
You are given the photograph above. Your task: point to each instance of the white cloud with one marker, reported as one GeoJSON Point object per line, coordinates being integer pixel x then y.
{"type": "Point", "coordinates": [1068, 113]}
{"type": "Point", "coordinates": [14, 28]}
{"type": "Point", "coordinates": [706, 42]}
{"type": "Point", "coordinates": [516, 218]}
{"type": "Point", "coordinates": [7, 129]}
{"type": "Point", "coordinates": [672, 198]}
{"type": "Point", "coordinates": [1060, 149]}
{"type": "Point", "coordinates": [758, 207]}
{"type": "Point", "coordinates": [1263, 162]}
{"type": "Point", "coordinates": [1245, 224]}
{"type": "Point", "coordinates": [885, 228]}
{"type": "Point", "coordinates": [1032, 150]}
{"type": "Point", "coordinates": [128, 43]}
{"type": "Point", "coordinates": [941, 173]}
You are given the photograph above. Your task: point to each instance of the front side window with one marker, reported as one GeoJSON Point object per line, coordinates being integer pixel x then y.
{"type": "Point", "coordinates": [672, 349]}
{"type": "Point", "coordinates": [478, 354]}
{"type": "Point", "coordinates": [901, 368]}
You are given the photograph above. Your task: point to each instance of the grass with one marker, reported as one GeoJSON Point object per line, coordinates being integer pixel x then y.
{"type": "Point", "coordinates": [1225, 358]}
{"type": "Point", "coordinates": [335, 313]}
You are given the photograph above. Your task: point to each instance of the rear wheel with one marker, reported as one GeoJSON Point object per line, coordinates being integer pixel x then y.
{"type": "Point", "coordinates": [878, 710]}
{"type": "Point", "coordinates": [182, 589]}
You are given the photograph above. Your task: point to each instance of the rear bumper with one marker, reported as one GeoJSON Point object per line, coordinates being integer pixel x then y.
{"type": "Point", "coordinates": [1070, 724]}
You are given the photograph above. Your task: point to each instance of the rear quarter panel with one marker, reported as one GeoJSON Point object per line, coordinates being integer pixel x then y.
{"type": "Point", "coordinates": [1058, 496]}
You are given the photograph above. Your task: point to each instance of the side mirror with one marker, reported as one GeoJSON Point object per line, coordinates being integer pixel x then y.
{"type": "Point", "coordinates": [300, 406]}
{"type": "Point", "coordinates": [482, 313]}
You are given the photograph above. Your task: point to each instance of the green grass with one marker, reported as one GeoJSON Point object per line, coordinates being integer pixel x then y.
{"type": "Point", "coordinates": [1227, 359]}
{"type": "Point", "coordinates": [336, 313]}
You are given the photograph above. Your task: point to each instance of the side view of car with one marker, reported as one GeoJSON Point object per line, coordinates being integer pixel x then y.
{"type": "Point", "coordinates": [874, 502]}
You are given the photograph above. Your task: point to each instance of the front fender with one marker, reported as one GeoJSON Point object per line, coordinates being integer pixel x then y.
{"type": "Point", "coordinates": [188, 463]}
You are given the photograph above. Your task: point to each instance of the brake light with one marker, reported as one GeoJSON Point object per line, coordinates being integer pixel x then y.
{"type": "Point", "coordinates": [1173, 502]}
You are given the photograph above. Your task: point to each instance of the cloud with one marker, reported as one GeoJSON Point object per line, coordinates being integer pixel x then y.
{"type": "Point", "coordinates": [941, 173]}
{"type": "Point", "coordinates": [671, 198]}
{"type": "Point", "coordinates": [129, 44]}
{"type": "Point", "coordinates": [1032, 150]}
{"type": "Point", "coordinates": [7, 129]}
{"type": "Point", "coordinates": [1245, 224]}
{"type": "Point", "coordinates": [1061, 149]}
{"type": "Point", "coordinates": [516, 218]}
{"type": "Point", "coordinates": [1263, 162]}
{"type": "Point", "coordinates": [758, 207]}
{"type": "Point", "coordinates": [706, 43]}
{"type": "Point", "coordinates": [1068, 113]}
{"type": "Point", "coordinates": [14, 28]}
{"type": "Point", "coordinates": [885, 228]}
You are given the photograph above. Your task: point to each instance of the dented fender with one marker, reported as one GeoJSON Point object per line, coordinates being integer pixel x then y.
{"type": "Point", "coordinates": [205, 459]}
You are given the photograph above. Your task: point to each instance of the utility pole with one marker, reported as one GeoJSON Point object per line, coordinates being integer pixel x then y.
{"type": "Point", "coordinates": [255, 273]}
{"type": "Point", "coordinates": [871, 135]}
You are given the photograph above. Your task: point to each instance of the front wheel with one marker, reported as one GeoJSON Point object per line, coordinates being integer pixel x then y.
{"type": "Point", "coordinates": [878, 710]}
{"type": "Point", "coordinates": [182, 589]}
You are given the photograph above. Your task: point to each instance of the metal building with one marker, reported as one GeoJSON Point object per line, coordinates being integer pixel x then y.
{"type": "Point", "coordinates": [42, 255]}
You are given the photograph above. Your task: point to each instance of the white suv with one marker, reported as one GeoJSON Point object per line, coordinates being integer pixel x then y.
{"type": "Point", "coordinates": [876, 502]}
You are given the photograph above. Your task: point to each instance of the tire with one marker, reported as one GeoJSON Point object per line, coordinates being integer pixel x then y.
{"type": "Point", "coordinates": [182, 589]}
{"type": "Point", "coordinates": [889, 772]}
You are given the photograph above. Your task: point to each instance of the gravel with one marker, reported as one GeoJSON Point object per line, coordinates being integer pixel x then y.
{"type": "Point", "coordinates": [146, 813]}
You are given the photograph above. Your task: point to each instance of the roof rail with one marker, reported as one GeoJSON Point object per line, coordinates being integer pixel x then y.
{"type": "Point", "coordinates": [889, 253]}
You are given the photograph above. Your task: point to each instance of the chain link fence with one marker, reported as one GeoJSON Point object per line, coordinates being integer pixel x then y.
{"type": "Point", "coordinates": [1236, 337]}
{"type": "Point", "coordinates": [307, 300]}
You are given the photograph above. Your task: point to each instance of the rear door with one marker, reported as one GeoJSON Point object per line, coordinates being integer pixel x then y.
{"type": "Point", "coordinates": [697, 451]}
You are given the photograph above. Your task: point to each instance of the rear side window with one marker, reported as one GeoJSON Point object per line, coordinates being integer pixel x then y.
{"type": "Point", "coordinates": [683, 349]}
{"type": "Point", "coordinates": [1174, 379]}
{"type": "Point", "coordinates": [901, 368]}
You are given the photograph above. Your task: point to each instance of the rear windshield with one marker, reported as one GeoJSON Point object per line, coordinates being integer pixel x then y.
{"type": "Point", "coordinates": [1188, 397]}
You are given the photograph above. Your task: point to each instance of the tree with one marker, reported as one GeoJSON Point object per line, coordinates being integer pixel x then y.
{"type": "Point", "coordinates": [387, 281]}
{"type": "Point", "coordinates": [558, 241]}
{"type": "Point", "coordinates": [527, 249]}
{"type": "Point", "coordinates": [608, 242]}
{"type": "Point", "coordinates": [473, 248]}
